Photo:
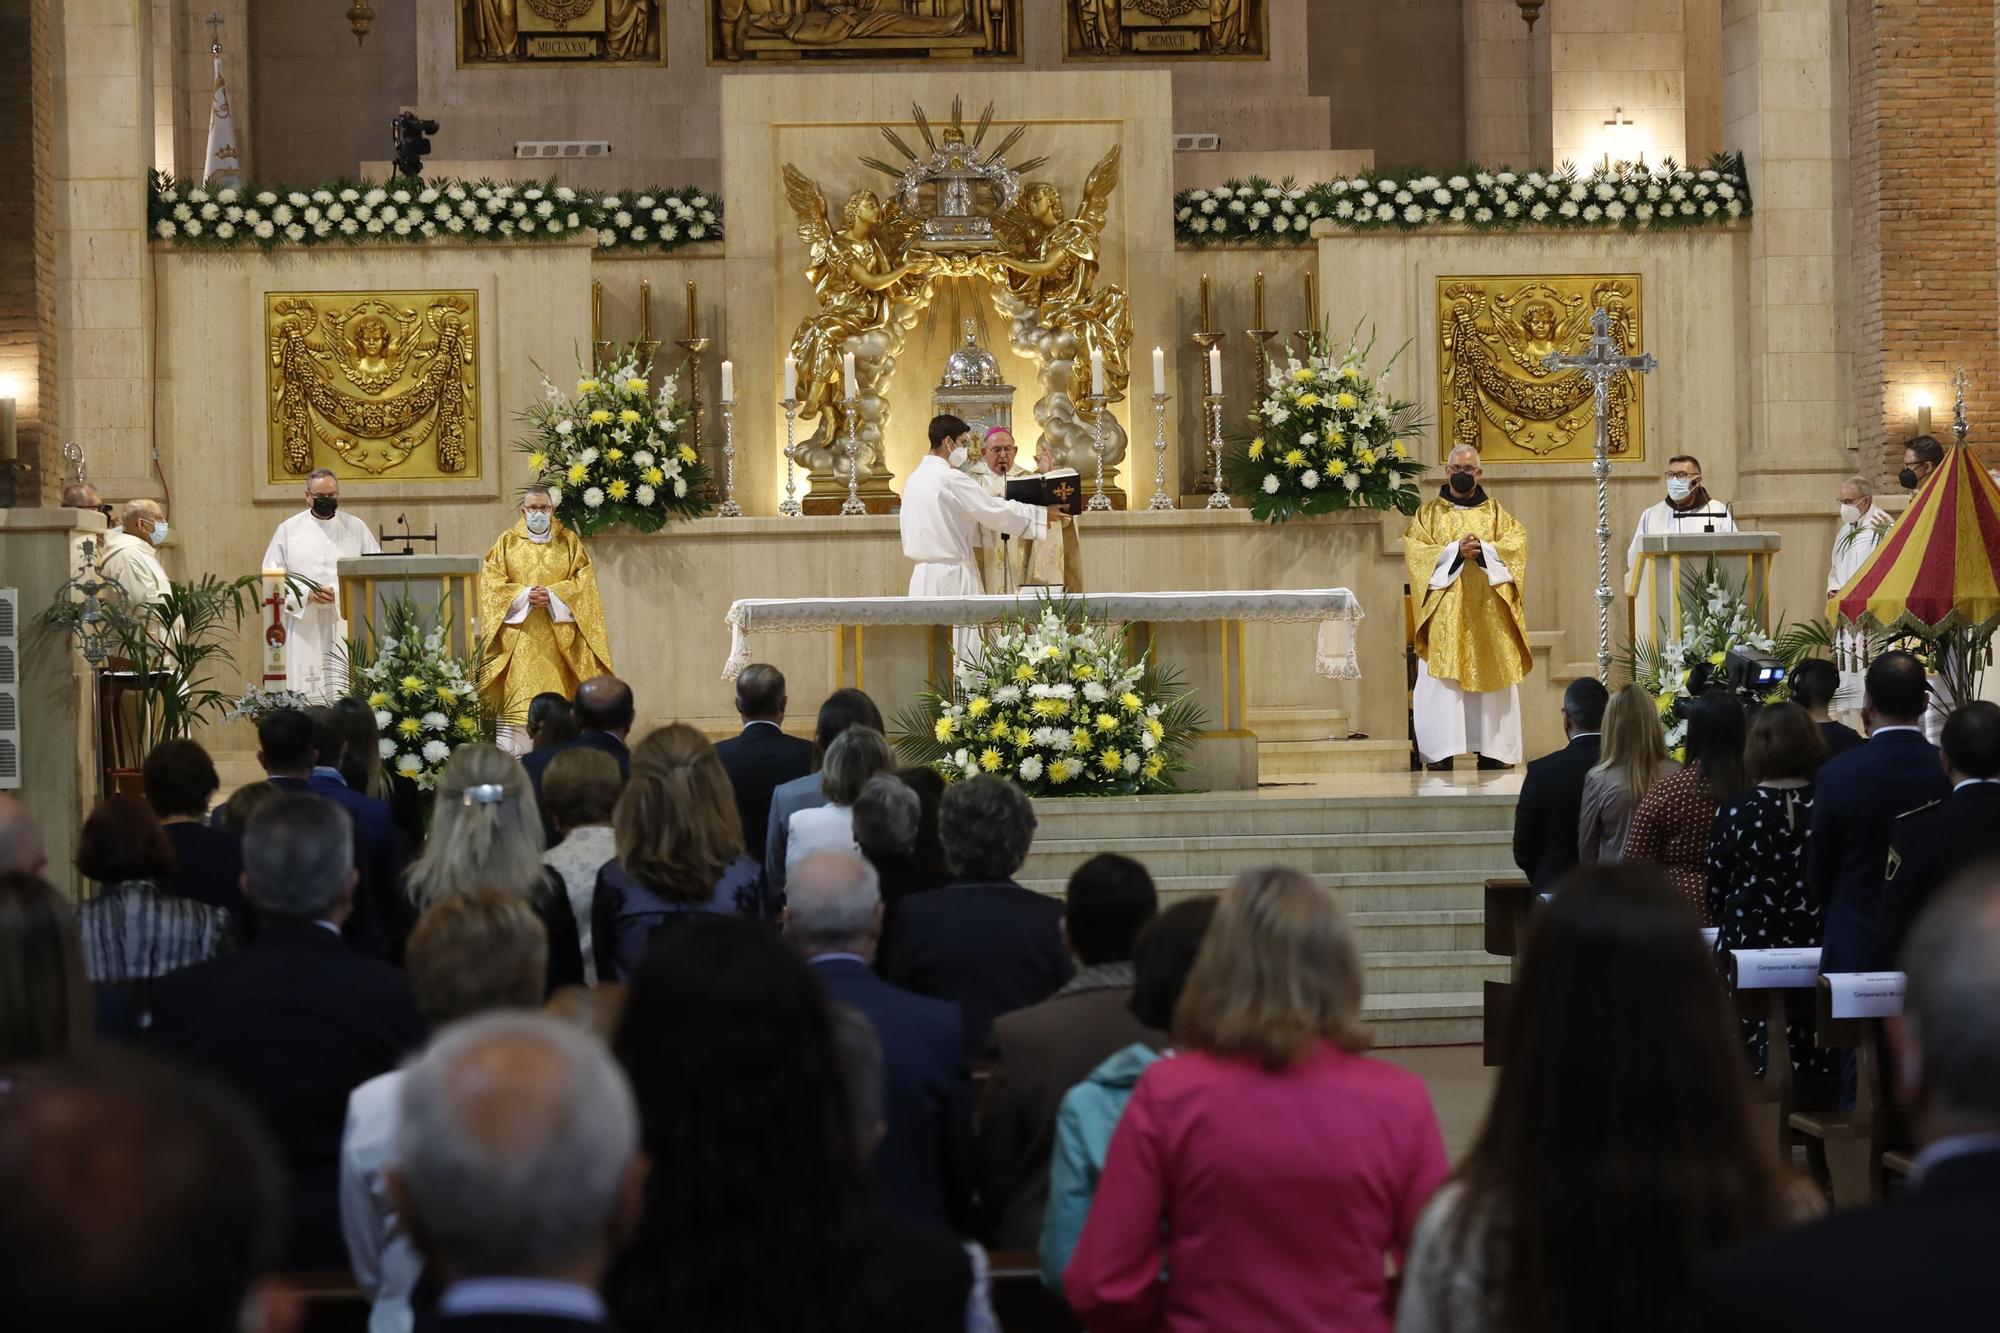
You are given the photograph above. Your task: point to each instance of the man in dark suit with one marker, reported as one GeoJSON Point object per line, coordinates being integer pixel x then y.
{"type": "Point", "coordinates": [1856, 801]}
{"type": "Point", "coordinates": [289, 747]}
{"type": "Point", "coordinates": [844, 708]}
{"type": "Point", "coordinates": [1546, 816]}
{"type": "Point", "coordinates": [983, 941]}
{"type": "Point", "coordinates": [139, 1197]}
{"type": "Point", "coordinates": [1928, 847]}
{"type": "Point", "coordinates": [1923, 1260]}
{"type": "Point", "coordinates": [761, 757]}
{"type": "Point", "coordinates": [923, 1168]}
{"type": "Point", "coordinates": [298, 1020]}
{"type": "Point", "coordinates": [604, 713]}
{"type": "Point", "coordinates": [1041, 1052]}
{"type": "Point", "coordinates": [502, 1115]}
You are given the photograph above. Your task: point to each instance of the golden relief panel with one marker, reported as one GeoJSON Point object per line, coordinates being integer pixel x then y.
{"type": "Point", "coordinates": [1165, 30]}
{"type": "Point", "coordinates": [742, 31]}
{"type": "Point", "coordinates": [1494, 392]}
{"type": "Point", "coordinates": [502, 33]}
{"type": "Point", "coordinates": [378, 386]}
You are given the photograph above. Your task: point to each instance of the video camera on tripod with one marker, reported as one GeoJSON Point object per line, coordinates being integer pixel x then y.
{"type": "Point", "coordinates": [1745, 673]}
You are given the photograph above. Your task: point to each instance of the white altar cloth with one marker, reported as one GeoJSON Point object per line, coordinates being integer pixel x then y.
{"type": "Point", "coordinates": [1335, 608]}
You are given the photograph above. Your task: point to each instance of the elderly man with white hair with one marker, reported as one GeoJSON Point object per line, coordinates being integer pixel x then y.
{"type": "Point", "coordinates": [1470, 558]}
{"type": "Point", "coordinates": [923, 1170]}
{"type": "Point", "coordinates": [126, 554]}
{"type": "Point", "coordinates": [518, 1172]}
{"type": "Point", "coordinates": [310, 545]}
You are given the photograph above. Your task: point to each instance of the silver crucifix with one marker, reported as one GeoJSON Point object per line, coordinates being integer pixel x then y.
{"type": "Point", "coordinates": [1601, 362]}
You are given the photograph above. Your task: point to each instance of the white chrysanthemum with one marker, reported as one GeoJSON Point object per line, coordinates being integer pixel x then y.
{"type": "Point", "coordinates": [1270, 483]}
{"type": "Point", "coordinates": [588, 456]}
{"type": "Point", "coordinates": [594, 497]}
{"type": "Point", "coordinates": [1131, 760]}
{"type": "Point", "coordinates": [645, 494]}
{"type": "Point", "coordinates": [1413, 214]}
{"type": "Point", "coordinates": [1352, 481]}
{"type": "Point", "coordinates": [1309, 479]}
{"type": "Point", "coordinates": [409, 765]}
{"type": "Point", "coordinates": [385, 747]}
{"type": "Point", "coordinates": [436, 752]}
{"type": "Point", "coordinates": [383, 719]}
{"type": "Point", "coordinates": [680, 489]}
{"type": "Point", "coordinates": [1030, 769]}
{"type": "Point", "coordinates": [164, 229]}
{"type": "Point", "coordinates": [1385, 213]}
{"type": "Point", "coordinates": [435, 721]}
{"type": "Point", "coordinates": [1095, 692]}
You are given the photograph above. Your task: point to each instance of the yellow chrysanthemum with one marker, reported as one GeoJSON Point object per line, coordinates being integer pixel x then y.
{"type": "Point", "coordinates": [446, 693]}
{"type": "Point", "coordinates": [1058, 771]}
{"type": "Point", "coordinates": [1154, 764]}
{"type": "Point", "coordinates": [1308, 400]}
{"type": "Point", "coordinates": [616, 455]}
{"type": "Point", "coordinates": [1256, 448]}
{"type": "Point", "coordinates": [1367, 457]}
{"type": "Point", "coordinates": [1303, 374]}
{"type": "Point", "coordinates": [999, 731]}
{"type": "Point", "coordinates": [1024, 672]}
{"type": "Point", "coordinates": [1110, 760]}
{"type": "Point", "coordinates": [1717, 658]}
{"type": "Point", "coordinates": [1349, 373]}
{"type": "Point", "coordinates": [379, 699]}
{"type": "Point", "coordinates": [1294, 458]}
{"type": "Point", "coordinates": [989, 759]}
{"type": "Point", "coordinates": [635, 385]}
{"type": "Point", "coordinates": [1079, 739]}
{"type": "Point", "coordinates": [600, 416]}
{"type": "Point", "coordinates": [412, 684]}
{"type": "Point", "coordinates": [652, 476]}
{"type": "Point", "coordinates": [619, 489]}
{"type": "Point", "coordinates": [1336, 468]}
{"type": "Point", "coordinates": [587, 386]}
{"type": "Point", "coordinates": [1130, 702]}
{"type": "Point", "coordinates": [1052, 653]}
{"type": "Point", "coordinates": [469, 725]}
{"type": "Point", "coordinates": [978, 705]}
{"type": "Point", "coordinates": [1106, 722]}
{"type": "Point", "coordinates": [1023, 737]}
{"type": "Point", "coordinates": [577, 472]}
{"type": "Point", "coordinates": [1665, 704]}
{"type": "Point", "coordinates": [688, 455]}
{"type": "Point", "coordinates": [410, 726]}
{"type": "Point", "coordinates": [1158, 728]}
{"type": "Point", "coordinates": [1085, 672]}
{"type": "Point", "coordinates": [946, 728]}
{"type": "Point", "coordinates": [629, 417]}
{"type": "Point", "coordinates": [1049, 708]}
{"type": "Point", "coordinates": [1400, 449]}
{"type": "Point", "coordinates": [1345, 399]}
{"type": "Point", "coordinates": [536, 462]}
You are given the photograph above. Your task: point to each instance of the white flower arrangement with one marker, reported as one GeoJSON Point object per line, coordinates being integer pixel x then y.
{"type": "Point", "coordinates": [256, 701]}
{"type": "Point", "coordinates": [426, 701]}
{"type": "Point", "coordinates": [1723, 618]}
{"type": "Point", "coordinates": [182, 212]}
{"type": "Point", "coordinates": [1673, 195]}
{"type": "Point", "coordinates": [611, 451]}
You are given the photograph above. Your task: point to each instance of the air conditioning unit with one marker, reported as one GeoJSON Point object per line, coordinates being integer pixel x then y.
{"type": "Point", "coordinates": [1197, 143]}
{"type": "Point", "coordinates": [10, 689]}
{"type": "Point", "coordinates": [562, 148]}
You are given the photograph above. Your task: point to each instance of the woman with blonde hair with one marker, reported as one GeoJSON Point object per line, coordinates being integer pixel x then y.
{"type": "Point", "coordinates": [486, 833]}
{"type": "Point", "coordinates": [1633, 758]}
{"type": "Point", "coordinates": [1288, 1226]}
{"type": "Point", "coordinates": [680, 851]}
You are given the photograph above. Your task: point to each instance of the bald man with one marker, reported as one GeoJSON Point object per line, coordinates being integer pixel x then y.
{"type": "Point", "coordinates": [127, 557]}
{"type": "Point", "coordinates": [21, 850]}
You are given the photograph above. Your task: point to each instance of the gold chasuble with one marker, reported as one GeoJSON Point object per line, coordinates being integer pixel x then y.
{"type": "Point", "coordinates": [1471, 632]}
{"type": "Point", "coordinates": [540, 653]}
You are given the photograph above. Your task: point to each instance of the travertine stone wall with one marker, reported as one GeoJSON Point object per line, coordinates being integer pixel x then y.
{"type": "Point", "coordinates": [27, 217]}
{"type": "Point", "coordinates": [1505, 120]}
{"type": "Point", "coordinates": [1393, 73]}
{"type": "Point", "coordinates": [1617, 53]}
{"type": "Point", "coordinates": [323, 101]}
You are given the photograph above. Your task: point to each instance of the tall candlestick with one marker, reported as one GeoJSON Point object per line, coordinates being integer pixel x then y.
{"type": "Point", "coordinates": [1215, 371]}
{"type": "Point", "coordinates": [729, 509]}
{"type": "Point", "coordinates": [1159, 372]}
{"type": "Point", "coordinates": [728, 383]}
{"type": "Point", "coordinates": [7, 425]}
{"type": "Point", "coordinates": [791, 378]}
{"type": "Point", "coordinates": [1207, 318]}
{"type": "Point", "coordinates": [1260, 298]}
{"type": "Point", "coordinates": [646, 310]}
{"type": "Point", "coordinates": [1312, 300]}
{"type": "Point", "coordinates": [847, 376]}
{"type": "Point", "coordinates": [693, 322]}
{"type": "Point", "coordinates": [596, 312]}
{"type": "Point", "coordinates": [1097, 372]}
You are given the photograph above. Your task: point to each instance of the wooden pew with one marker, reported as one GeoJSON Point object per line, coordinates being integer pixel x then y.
{"type": "Point", "coordinates": [1781, 1091]}
{"type": "Point", "coordinates": [1846, 1147]}
{"type": "Point", "coordinates": [1020, 1301]}
{"type": "Point", "coordinates": [1508, 904]}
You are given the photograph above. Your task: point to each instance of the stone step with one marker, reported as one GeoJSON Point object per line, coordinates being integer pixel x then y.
{"type": "Point", "coordinates": [1369, 891]}
{"type": "Point", "coordinates": [1431, 971]}
{"type": "Point", "coordinates": [1456, 855]}
{"type": "Point", "coordinates": [1443, 1018]}
{"type": "Point", "coordinates": [1126, 819]}
{"type": "Point", "coordinates": [1455, 930]}
{"type": "Point", "coordinates": [1320, 756]}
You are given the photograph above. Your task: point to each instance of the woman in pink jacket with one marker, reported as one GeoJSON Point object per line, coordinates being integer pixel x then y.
{"type": "Point", "coordinates": [1273, 1172]}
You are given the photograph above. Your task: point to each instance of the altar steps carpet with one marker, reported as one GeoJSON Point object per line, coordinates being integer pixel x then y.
{"type": "Point", "coordinates": [1406, 857]}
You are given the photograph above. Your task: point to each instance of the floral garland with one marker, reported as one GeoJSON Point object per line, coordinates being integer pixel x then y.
{"type": "Point", "coordinates": [615, 452]}
{"type": "Point", "coordinates": [188, 213]}
{"type": "Point", "coordinates": [1723, 618]}
{"type": "Point", "coordinates": [257, 702]}
{"type": "Point", "coordinates": [427, 703]}
{"type": "Point", "coordinates": [1055, 707]}
{"type": "Point", "coordinates": [1326, 437]}
{"type": "Point", "coordinates": [1258, 212]}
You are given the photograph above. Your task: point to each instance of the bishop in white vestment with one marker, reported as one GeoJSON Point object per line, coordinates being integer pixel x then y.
{"type": "Point", "coordinates": [944, 514]}
{"type": "Point", "coordinates": [311, 545]}
{"type": "Point", "coordinates": [1687, 508]}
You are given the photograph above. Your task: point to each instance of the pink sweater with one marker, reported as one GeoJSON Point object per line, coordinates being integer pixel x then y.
{"type": "Point", "coordinates": [1274, 1201]}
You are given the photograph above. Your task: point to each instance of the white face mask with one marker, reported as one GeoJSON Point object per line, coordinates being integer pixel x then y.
{"type": "Point", "coordinates": [1849, 514]}
{"type": "Point", "coordinates": [958, 457]}
{"type": "Point", "coordinates": [538, 522]}
{"type": "Point", "coordinates": [160, 532]}
{"type": "Point", "coordinates": [1679, 488]}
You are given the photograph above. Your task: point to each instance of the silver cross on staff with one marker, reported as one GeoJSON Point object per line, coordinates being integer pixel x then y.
{"type": "Point", "coordinates": [1601, 361]}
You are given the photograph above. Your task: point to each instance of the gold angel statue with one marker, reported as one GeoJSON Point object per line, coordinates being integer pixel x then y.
{"type": "Point", "coordinates": [1054, 260]}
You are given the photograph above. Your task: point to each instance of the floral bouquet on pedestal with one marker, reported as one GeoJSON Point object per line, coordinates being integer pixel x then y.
{"type": "Point", "coordinates": [1055, 707]}
{"type": "Point", "coordinates": [427, 703]}
{"type": "Point", "coordinates": [615, 452]}
{"type": "Point", "coordinates": [256, 702]}
{"type": "Point", "coordinates": [1326, 436]}
{"type": "Point", "coordinates": [1719, 618]}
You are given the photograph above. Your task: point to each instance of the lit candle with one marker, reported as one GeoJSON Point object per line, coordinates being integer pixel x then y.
{"type": "Point", "coordinates": [693, 323]}
{"type": "Point", "coordinates": [1207, 322]}
{"type": "Point", "coordinates": [847, 374]}
{"type": "Point", "coordinates": [1260, 298]}
{"type": "Point", "coordinates": [791, 378]}
{"type": "Point", "coordinates": [728, 382]}
{"type": "Point", "coordinates": [1159, 373]}
{"type": "Point", "coordinates": [1097, 372]}
{"type": "Point", "coordinates": [645, 310]}
{"type": "Point", "coordinates": [1215, 371]}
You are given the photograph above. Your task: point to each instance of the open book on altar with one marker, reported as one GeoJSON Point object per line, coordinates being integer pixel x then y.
{"type": "Point", "coordinates": [1060, 489]}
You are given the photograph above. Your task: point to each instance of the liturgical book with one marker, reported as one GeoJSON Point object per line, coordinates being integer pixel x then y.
{"type": "Point", "coordinates": [1061, 489]}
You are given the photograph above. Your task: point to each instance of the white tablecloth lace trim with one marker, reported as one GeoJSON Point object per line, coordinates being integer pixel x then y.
{"type": "Point", "coordinates": [1336, 610]}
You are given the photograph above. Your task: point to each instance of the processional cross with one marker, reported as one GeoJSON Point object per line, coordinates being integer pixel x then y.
{"type": "Point", "coordinates": [1601, 362]}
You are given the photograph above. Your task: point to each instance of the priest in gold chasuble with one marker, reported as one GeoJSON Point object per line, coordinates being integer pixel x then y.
{"type": "Point", "coordinates": [1470, 557]}
{"type": "Point", "coordinates": [541, 624]}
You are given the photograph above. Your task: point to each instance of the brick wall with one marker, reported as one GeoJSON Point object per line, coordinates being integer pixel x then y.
{"type": "Point", "coordinates": [1926, 250]}
{"type": "Point", "coordinates": [27, 219]}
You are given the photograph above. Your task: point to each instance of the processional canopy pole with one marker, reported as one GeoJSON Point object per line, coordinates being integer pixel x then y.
{"type": "Point", "coordinates": [1601, 361]}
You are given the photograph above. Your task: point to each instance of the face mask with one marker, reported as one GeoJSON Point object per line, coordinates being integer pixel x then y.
{"type": "Point", "coordinates": [1907, 479]}
{"type": "Point", "coordinates": [538, 522]}
{"type": "Point", "coordinates": [1463, 483]}
{"type": "Point", "coordinates": [1849, 515]}
{"type": "Point", "coordinates": [160, 533]}
{"type": "Point", "coordinates": [325, 506]}
{"type": "Point", "coordinates": [958, 457]}
{"type": "Point", "coordinates": [1679, 488]}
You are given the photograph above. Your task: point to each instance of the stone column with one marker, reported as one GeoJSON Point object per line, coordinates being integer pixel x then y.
{"type": "Point", "coordinates": [1502, 110]}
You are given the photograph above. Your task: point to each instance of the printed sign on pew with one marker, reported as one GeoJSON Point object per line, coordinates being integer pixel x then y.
{"type": "Point", "coordinates": [1776, 969]}
{"type": "Point", "coordinates": [1866, 994]}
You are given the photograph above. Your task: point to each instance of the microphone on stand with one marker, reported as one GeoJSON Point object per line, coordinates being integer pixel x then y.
{"type": "Point", "coordinates": [1708, 514]}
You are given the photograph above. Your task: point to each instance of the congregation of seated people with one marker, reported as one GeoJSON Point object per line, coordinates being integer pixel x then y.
{"type": "Point", "coordinates": [644, 1032]}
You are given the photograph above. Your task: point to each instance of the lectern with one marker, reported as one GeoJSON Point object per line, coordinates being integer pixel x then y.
{"type": "Point", "coordinates": [443, 589]}
{"type": "Point", "coordinates": [1656, 586]}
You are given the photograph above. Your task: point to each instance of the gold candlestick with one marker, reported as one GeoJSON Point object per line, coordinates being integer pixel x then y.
{"type": "Point", "coordinates": [1263, 350]}
{"type": "Point", "coordinates": [694, 321]}
{"type": "Point", "coordinates": [694, 347]}
{"type": "Point", "coordinates": [1260, 298]}
{"type": "Point", "coordinates": [1310, 333]}
{"type": "Point", "coordinates": [1211, 462]}
{"type": "Point", "coordinates": [1207, 315]}
{"type": "Point", "coordinates": [647, 344]}
{"type": "Point", "coordinates": [600, 348]}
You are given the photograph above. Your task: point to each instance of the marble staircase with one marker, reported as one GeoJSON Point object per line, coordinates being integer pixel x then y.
{"type": "Point", "coordinates": [1407, 868]}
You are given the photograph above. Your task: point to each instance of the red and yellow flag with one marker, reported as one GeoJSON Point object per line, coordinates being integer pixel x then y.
{"type": "Point", "coordinates": [1941, 558]}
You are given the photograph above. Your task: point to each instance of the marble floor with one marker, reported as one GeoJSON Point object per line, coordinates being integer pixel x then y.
{"type": "Point", "coordinates": [1460, 1088]}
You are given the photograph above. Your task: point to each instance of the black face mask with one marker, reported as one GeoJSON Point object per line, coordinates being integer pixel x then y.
{"type": "Point", "coordinates": [1463, 482]}
{"type": "Point", "coordinates": [1907, 479]}
{"type": "Point", "coordinates": [325, 506]}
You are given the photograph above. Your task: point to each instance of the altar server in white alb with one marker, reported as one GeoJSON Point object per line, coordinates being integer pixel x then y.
{"type": "Point", "coordinates": [1687, 508]}
{"type": "Point", "coordinates": [311, 545]}
{"type": "Point", "coordinates": [944, 513]}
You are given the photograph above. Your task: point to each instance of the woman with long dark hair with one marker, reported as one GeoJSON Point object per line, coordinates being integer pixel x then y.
{"type": "Point", "coordinates": [1619, 1148]}
{"type": "Point", "coordinates": [728, 1040]}
{"type": "Point", "coordinates": [1671, 826]}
